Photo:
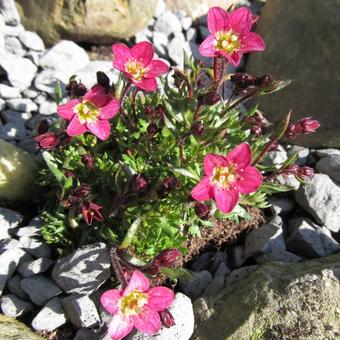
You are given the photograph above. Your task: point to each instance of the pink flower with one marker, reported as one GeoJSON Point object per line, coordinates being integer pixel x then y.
{"type": "Point", "coordinates": [92, 113]}
{"type": "Point", "coordinates": [136, 306]}
{"type": "Point", "coordinates": [230, 35]}
{"type": "Point", "coordinates": [137, 64]}
{"type": "Point", "coordinates": [227, 177]}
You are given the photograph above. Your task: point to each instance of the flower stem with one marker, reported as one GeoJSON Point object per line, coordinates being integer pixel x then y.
{"type": "Point", "coordinates": [265, 150]}
{"type": "Point", "coordinates": [117, 267]}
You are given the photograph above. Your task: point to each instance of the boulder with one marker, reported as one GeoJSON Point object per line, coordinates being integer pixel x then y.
{"type": "Point", "coordinates": [96, 21]}
{"type": "Point", "coordinates": [310, 58]}
{"type": "Point", "coordinates": [17, 170]}
{"type": "Point", "coordinates": [11, 329]}
{"type": "Point", "coordinates": [276, 301]}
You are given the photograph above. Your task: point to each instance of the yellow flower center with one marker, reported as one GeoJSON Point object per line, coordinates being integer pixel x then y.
{"type": "Point", "coordinates": [87, 112]}
{"type": "Point", "coordinates": [132, 303]}
{"type": "Point", "coordinates": [136, 69]}
{"type": "Point", "coordinates": [224, 176]}
{"type": "Point", "coordinates": [227, 41]}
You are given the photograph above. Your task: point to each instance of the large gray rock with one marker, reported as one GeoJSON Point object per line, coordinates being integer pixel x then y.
{"type": "Point", "coordinates": [13, 131]}
{"type": "Point", "coordinates": [22, 104]}
{"type": "Point", "coordinates": [40, 289]}
{"type": "Point", "coordinates": [20, 71]}
{"type": "Point", "coordinates": [81, 311]}
{"type": "Point", "coordinates": [14, 287]}
{"type": "Point", "coordinates": [32, 41]}
{"type": "Point", "coordinates": [83, 271]}
{"type": "Point", "coordinates": [330, 166]}
{"type": "Point", "coordinates": [168, 23]}
{"type": "Point", "coordinates": [11, 329]}
{"type": "Point", "coordinates": [14, 307]}
{"type": "Point", "coordinates": [194, 288]}
{"type": "Point", "coordinates": [276, 301]}
{"type": "Point", "coordinates": [50, 317]}
{"type": "Point", "coordinates": [30, 268]}
{"type": "Point", "coordinates": [35, 247]}
{"type": "Point", "coordinates": [9, 261]}
{"type": "Point", "coordinates": [267, 238]}
{"type": "Point", "coordinates": [309, 240]}
{"type": "Point", "coordinates": [321, 198]}
{"type": "Point", "coordinates": [16, 116]}
{"type": "Point", "coordinates": [95, 21]}
{"type": "Point", "coordinates": [8, 92]}
{"type": "Point", "coordinates": [9, 12]}
{"type": "Point", "coordinates": [315, 89]}
{"type": "Point", "coordinates": [13, 46]}
{"type": "Point", "coordinates": [182, 311]}
{"type": "Point", "coordinates": [66, 57]}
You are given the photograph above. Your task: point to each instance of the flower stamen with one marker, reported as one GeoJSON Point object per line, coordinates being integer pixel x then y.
{"type": "Point", "coordinates": [133, 303]}
{"type": "Point", "coordinates": [224, 176]}
{"type": "Point", "coordinates": [87, 112]}
{"type": "Point", "coordinates": [227, 41]}
{"type": "Point", "coordinates": [135, 69]}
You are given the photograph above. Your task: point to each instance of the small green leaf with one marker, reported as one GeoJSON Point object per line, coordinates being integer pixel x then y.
{"type": "Point", "coordinates": [274, 86]}
{"type": "Point", "coordinates": [271, 188]}
{"type": "Point", "coordinates": [58, 93]}
{"type": "Point", "coordinates": [131, 233]}
{"type": "Point", "coordinates": [51, 163]}
{"type": "Point", "coordinates": [283, 125]}
{"type": "Point", "coordinates": [186, 173]}
{"type": "Point", "coordinates": [176, 273]}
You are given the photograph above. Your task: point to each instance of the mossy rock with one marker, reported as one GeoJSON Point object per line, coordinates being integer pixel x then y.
{"type": "Point", "coordinates": [11, 329]}
{"type": "Point", "coordinates": [17, 171]}
{"type": "Point", "coordinates": [276, 301]}
{"type": "Point", "coordinates": [92, 21]}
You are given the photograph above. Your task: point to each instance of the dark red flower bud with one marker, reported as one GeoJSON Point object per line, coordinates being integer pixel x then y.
{"type": "Point", "coordinates": [256, 130]}
{"type": "Point", "coordinates": [139, 182]}
{"type": "Point", "coordinates": [166, 186]}
{"type": "Point", "coordinates": [88, 161]}
{"type": "Point", "coordinates": [79, 193]}
{"type": "Point", "coordinates": [261, 119]}
{"type": "Point", "coordinates": [202, 210]}
{"type": "Point", "coordinates": [42, 126]}
{"type": "Point", "coordinates": [302, 127]}
{"type": "Point", "coordinates": [243, 80]}
{"type": "Point", "coordinates": [69, 173]}
{"type": "Point", "coordinates": [65, 139]}
{"type": "Point", "coordinates": [306, 171]}
{"type": "Point", "coordinates": [208, 98]}
{"type": "Point", "coordinates": [152, 130]}
{"type": "Point", "coordinates": [166, 318]}
{"type": "Point", "coordinates": [166, 258]}
{"type": "Point", "coordinates": [47, 141]}
{"type": "Point", "coordinates": [274, 146]}
{"type": "Point", "coordinates": [76, 89]}
{"type": "Point", "coordinates": [264, 80]}
{"type": "Point", "coordinates": [197, 129]}
{"type": "Point", "coordinates": [91, 211]}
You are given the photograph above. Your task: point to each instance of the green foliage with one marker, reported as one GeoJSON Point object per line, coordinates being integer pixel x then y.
{"type": "Point", "coordinates": [153, 218]}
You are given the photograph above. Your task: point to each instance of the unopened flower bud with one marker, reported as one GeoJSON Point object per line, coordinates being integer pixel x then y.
{"type": "Point", "coordinates": [166, 318]}
{"type": "Point", "coordinates": [76, 89]}
{"type": "Point", "coordinates": [306, 171]}
{"type": "Point", "coordinates": [197, 129]}
{"type": "Point", "coordinates": [65, 139]}
{"type": "Point", "coordinates": [261, 119]}
{"type": "Point", "coordinates": [166, 186]}
{"type": "Point", "coordinates": [88, 161]}
{"type": "Point", "coordinates": [256, 130]}
{"type": "Point", "coordinates": [152, 130]}
{"type": "Point", "coordinates": [47, 141]}
{"type": "Point", "coordinates": [274, 146]}
{"type": "Point", "coordinates": [302, 127]}
{"type": "Point", "coordinates": [139, 182]}
{"type": "Point", "coordinates": [79, 193]}
{"type": "Point", "coordinates": [42, 126]}
{"type": "Point", "coordinates": [264, 80]}
{"type": "Point", "coordinates": [243, 80]}
{"type": "Point", "coordinates": [202, 210]}
{"type": "Point", "coordinates": [208, 98]}
{"type": "Point", "coordinates": [69, 173]}
{"type": "Point", "coordinates": [167, 257]}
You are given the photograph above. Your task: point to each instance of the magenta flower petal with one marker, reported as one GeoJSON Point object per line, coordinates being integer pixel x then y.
{"type": "Point", "coordinates": [75, 128]}
{"type": "Point", "coordinates": [101, 129]}
{"type": "Point", "coordinates": [119, 327]}
{"type": "Point", "coordinates": [147, 84]}
{"type": "Point", "coordinates": [143, 52]}
{"type": "Point", "coordinates": [226, 199]}
{"type": "Point", "coordinates": [121, 54]}
{"type": "Point", "coordinates": [249, 180]}
{"type": "Point", "coordinates": [240, 155]}
{"type": "Point", "coordinates": [160, 298]}
{"type": "Point", "coordinates": [251, 42]}
{"type": "Point", "coordinates": [110, 110]}
{"type": "Point", "coordinates": [110, 299]}
{"type": "Point", "coordinates": [97, 96]}
{"type": "Point", "coordinates": [148, 321]}
{"type": "Point", "coordinates": [203, 191]}
{"type": "Point", "coordinates": [138, 281]}
{"type": "Point", "coordinates": [156, 68]}
{"type": "Point", "coordinates": [66, 110]}
{"type": "Point", "coordinates": [207, 48]}
{"type": "Point", "coordinates": [241, 19]}
{"type": "Point", "coordinates": [218, 19]}
{"type": "Point", "coordinates": [212, 160]}
{"type": "Point", "coordinates": [234, 58]}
